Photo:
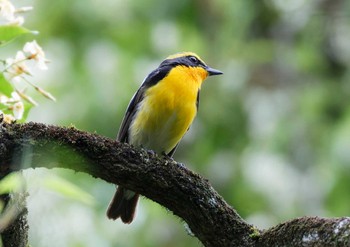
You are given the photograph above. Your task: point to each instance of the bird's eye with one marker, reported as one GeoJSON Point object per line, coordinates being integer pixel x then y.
{"type": "Point", "coordinates": [194, 59]}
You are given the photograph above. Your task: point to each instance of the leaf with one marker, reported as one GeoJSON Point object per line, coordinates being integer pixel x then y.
{"type": "Point", "coordinates": [10, 32]}
{"type": "Point", "coordinates": [68, 189]}
{"type": "Point", "coordinates": [5, 87]}
{"type": "Point", "coordinates": [12, 182]}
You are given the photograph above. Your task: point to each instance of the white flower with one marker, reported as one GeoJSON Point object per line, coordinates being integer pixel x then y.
{"type": "Point", "coordinates": [16, 67]}
{"type": "Point", "coordinates": [7, 11]}
{"type": "Point", "coordinates": [18, 110]}
{"type": "Point", "coordinates": [8, 101]}
{"type": "Point", "coordinates": [24, 9]}
{"type": "Point", "coordinates": [3, 99]}
{"type": "Point", "coordinates": [7, 14]}
{"type": "Point", "coordinates": [15, 96]}
{"type": "Point", "coordinates": [18, 21]}
{"type": "Point", "coordinates": [34, 51]}
{"type": "Point", "coordinates": [6, 118]}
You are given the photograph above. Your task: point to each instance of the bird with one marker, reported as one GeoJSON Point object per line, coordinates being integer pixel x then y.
{"type": "Point", "coordinates": [158, 116]}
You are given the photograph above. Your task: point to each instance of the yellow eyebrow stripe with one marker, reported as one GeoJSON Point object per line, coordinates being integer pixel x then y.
{"type": "Point", "coordinates": [183, 54]}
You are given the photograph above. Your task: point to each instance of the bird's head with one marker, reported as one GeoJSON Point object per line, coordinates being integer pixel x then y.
{"type": "Point", "coordinates": [191, 63]}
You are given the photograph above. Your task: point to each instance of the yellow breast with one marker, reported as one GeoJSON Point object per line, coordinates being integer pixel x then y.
{"type": "Point", "coordinates": [167, 110]}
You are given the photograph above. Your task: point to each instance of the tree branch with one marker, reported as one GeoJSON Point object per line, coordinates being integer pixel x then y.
{"type": "Point", "coordinates": [161, 179]}
{"type": "Point", "coordinates": [16, 234]}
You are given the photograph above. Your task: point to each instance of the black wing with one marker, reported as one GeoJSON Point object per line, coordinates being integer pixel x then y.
{"type": "Point", "coordinates": [123, 134]}
{"type": "Point", "coordinates": [197, 101]}
{"type": "Point", "coordinates": [153, 78]}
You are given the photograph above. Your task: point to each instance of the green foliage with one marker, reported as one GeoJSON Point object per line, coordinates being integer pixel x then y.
{"type": "Point", "coordinates": [5, 86]}
{"type": "Point", "coordinates": [338, 199]}
{"type": "Point", "coordinates": [10, 183]}
{"type": "Point", "coordinates": [10, 32]}
{"type": "Point", "coordinates": [67, 189]}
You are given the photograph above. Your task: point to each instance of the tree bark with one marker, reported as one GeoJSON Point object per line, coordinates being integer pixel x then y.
{"type": "Point", "coordinates": [163, 180]}
{"type": "Point", "coordinates": [16, 233]}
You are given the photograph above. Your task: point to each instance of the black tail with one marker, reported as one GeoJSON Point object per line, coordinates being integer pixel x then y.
{"type": "Point", "coordinates": [123, 205]}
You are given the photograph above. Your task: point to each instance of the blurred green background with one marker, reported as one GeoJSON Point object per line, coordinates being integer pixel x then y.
{"type": "Point", "coordinates": [272, 134]}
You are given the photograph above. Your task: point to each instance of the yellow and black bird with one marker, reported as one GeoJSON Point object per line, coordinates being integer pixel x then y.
{"type": "Point", "coordinates": [159, 114]}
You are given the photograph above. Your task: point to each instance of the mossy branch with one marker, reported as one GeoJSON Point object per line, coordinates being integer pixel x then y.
{"type": "Point", "coordinates": [163, 180]}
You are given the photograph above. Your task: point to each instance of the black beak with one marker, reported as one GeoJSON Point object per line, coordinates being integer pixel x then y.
{"type": "Point", "coordinates": [212, 71]}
